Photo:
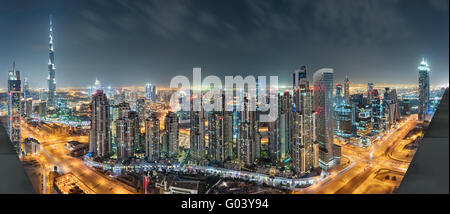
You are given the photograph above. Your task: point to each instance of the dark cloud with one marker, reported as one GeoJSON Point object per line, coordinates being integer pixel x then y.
{"type": "Point", "coordinates": [131, 42]}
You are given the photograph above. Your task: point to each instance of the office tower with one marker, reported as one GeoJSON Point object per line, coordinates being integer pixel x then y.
{"type": "Point", "coordinates": [323, 106]}
{"type": "Point", "coordinates": [347, 89]}
{"type": "Point", "coordinates": [148, 92]}
{"type": "Point", "coordinates": [272, 136]}
{"type": "Point", "coordinates": [344, 120]}
{"type": "Point", "coordinates": [97, 85]}
{"type": "Point", "coordinates": [154, 92]}
{"type": "Point", "coordinates": [377, 115]}
{"type": "Point", "coordinates": [124, 108]}
{"type": "Point", "coordinates": [152, 137]}
{"type": "Point", "coordinates": [303, 129]}
{"type": "Point", "coordinates": [29, 107]}
{"type": "Point", "coordinates": [90, 92]}
{"type": "Point", "coordinates": [228, 134]}
{"type": "Point", "coordinates": [22, 107]}
{"type": "Point", "coordinates": [26, 89]}
{"type": "Point", "coordinates": [298, 75]}
{"type": "Point", "coordinates": [14, 97]}
{"type": "Point", "coordinates": [285, 122]}
{"type": "Point", "coordinates": [42, 109]}
{"type": "Point", "coordinates": [118, 111]}
{"type": "Point", "coordinates": [141, 109]}
{"type": "Point", "coordinates": [392, 107]}
{"type": "Point", "coordinates": [197, 131]}
{"type": "Point", "coordinates": [51, 99]}
{"type": "Point", "coordinates": [369, 91]}
{"type": "Point", "coordinates": [215, 136]}
{"type": "Point", "coordinates": [249, 143]}
{"type": "Point", "coordinates": [110, 93]}
{"type": "Point", "coordinates": [128, 135]}
{"type": "Point", "coordinates": [114, 111]}
{"type": "Point", "coordinates": [171, 128]}
{"type": "Point", "coordinates": [338, 97]}
{"type": "Point", "coordinates": [100, 133]}
{"type": "Point", "coordinates": [424, 89]}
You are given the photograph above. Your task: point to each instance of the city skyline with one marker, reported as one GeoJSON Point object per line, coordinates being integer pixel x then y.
{"type": "Point", "coordinates": [322, 97]}
{"type": "Point", "coordinates": [151, 60]}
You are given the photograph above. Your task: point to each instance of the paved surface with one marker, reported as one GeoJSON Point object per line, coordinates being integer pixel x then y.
{"type": "Point", "coordinates": [13, 179]}
{"type": "Point", "coordinates": [428, 172]}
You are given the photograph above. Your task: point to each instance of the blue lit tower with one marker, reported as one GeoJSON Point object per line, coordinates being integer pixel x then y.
{"type": "Point", "coordinates": [424, 89]}
{"type": "Point", "coordinates": [323, 106]}
{"type": "Point", "coordinates": [51, 70]}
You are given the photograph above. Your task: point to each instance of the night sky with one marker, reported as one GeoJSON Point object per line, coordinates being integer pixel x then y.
{"type": "Point", "coordinates": [126, 43]}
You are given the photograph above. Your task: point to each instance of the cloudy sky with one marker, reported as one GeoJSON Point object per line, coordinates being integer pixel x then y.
{"type": "Point", "coordinates": [133, 42]}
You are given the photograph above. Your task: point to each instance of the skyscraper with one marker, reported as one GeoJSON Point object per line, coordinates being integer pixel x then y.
{"type": "Point", "coordinates": [370, 91]}
{"type": "Point", "coordinates": [171, 126]}
{"type": "Point", "coordinates": [100, 133]}
{"type": "Point", "coordinates": [51, 99]}
{"type": "Point", "coordinates": [339, 98]}
{"type": "Point", "coordinates": [249, 143]}
{"type": "Point", "coordinates": [152, 138]}
{"type": "Point", "coordinates": [347, 89]}
{"type": "Point", "coordinates": [197, 131]}
{"type": "Point", "coordinates": [298, 75]}
{"type": "Point", "coordinates": [303, 154]}
{"type": "Point", "coordinates": [323, 106]}
{"type": "Point", "coordinates": [424, 89]}
{"type": "Point", "coordinates": [148, 91]}
{"type": "Point", "coordinates": [127, 128]}
{"type": "Point", "coordinates": [284, 126]}
{"type": "Point", "coordinates": [14, 96]}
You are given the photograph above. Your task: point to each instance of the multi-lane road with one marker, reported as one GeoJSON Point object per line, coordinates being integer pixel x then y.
{"type": "Point", "coordinates": [54, 154]}
{"type": "Point", "coordinates": [372, 169]}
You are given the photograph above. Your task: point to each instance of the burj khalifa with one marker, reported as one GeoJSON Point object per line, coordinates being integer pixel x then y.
{"type": "Point", "coordinates": [51, 99]}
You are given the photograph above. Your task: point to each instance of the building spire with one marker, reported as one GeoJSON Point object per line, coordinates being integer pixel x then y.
{"type": "Point", "coordinates": [51, 68]}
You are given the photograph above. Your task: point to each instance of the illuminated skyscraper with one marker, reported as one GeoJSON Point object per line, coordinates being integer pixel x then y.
{"type": "Point", "coordinates": [298, 75]}
{"type": "Point", "coordinates": [148, 92]}
{"type": "Point", "coordinates": [215, 135]}
{"type": "Point", "coordinates": [249, 143]}
{"type": "Point", "coordinates": [51, 99]}
{"type": "Point", "coordinates": [323, 106]}
{"type": "Point", "coordinates": [285, 128]}
{"type": "Point", "coordinates": [424, 89]}
{"type": "Point", "coordinates": [100, 133]}
{"type": "Point", "coordinates": [152, 137]}
{"type": "Point", "coordinates": [14, 96]}
{"type": "Point", "coordinates": [370, 91]}
{"type": "Point", "coordinates": [347, 89]}
{"type": "Point", "coordinates": [303, 129]}
{"type": "Point", "coordinates": [128, 137]}
{"type": "Point", "coordinates": [171, 128]}
{"type": "Point", "coordinates": [197, 131]}
{"type": "Point", "coordinates": [338, 98]}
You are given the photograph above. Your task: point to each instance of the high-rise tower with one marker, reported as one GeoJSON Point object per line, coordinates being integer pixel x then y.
{"type": "Point", "coordinates": [424, 89]}
{"type": "Point", "coordinates": [14, 96]}
{"type": "Point", "coordinates": [100, 132]}
{"type": "Point", "coordinates": [347, 89]}
{"type": "Point", "coordinates": [323, 106]}
{"type": "Point", "coordinates": [51, 99]}
{"type": "Point", "coordinates": [152, 137]}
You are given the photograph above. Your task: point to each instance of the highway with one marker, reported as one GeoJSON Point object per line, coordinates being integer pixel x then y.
{"type": "Point", "coordinates": [374, 169]}
{"type": "Point", "coordinates": [55, 154]}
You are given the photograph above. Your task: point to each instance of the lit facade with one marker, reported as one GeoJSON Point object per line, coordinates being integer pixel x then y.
{"type": "Point", "coordinates": [424, 89]}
